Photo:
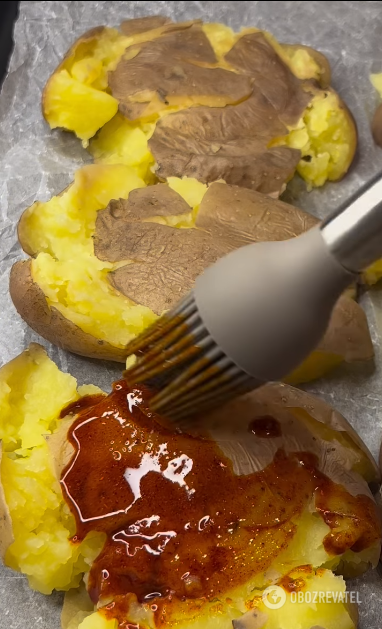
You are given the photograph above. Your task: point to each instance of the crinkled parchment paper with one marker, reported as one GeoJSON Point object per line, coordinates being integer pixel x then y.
{"type": "Point", "coordinates": [36, 163]}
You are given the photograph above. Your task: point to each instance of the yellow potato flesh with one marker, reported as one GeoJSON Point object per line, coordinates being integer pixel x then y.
{"type": "Point", "coordinates": [123, 142]}
{"type": "Point", "coordinates": [98, 621]}
{"type": "Point", "coordinates": [373, 274]}
{"type": "Point", "coordinates": [331, 609]}
{"type": "Point", "coordinates": [305, 615]}
{"type": "Point", "coordinates": [76, 106]}
{"type": "Point", "coordinates": [302, 63]}
{"type": "Point", "coordinates": [32, 394]}
{"type": "Point", "coordinates": [221, 38]}
{"type": "Point", "coordinates": [316, 365]}
{"type": "Point", "coordinates": [76, 97]}
{"type": "Point", "coordinates": [72, 278]}
{"type": "Point", "coordinates": [324, 133]}
{"type": "Point", "coordinates": [376, 80]}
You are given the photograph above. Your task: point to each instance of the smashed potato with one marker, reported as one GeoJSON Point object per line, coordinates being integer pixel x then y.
{"type": "Point", "coordinates": [251, 111]}
{"type": "Point", "coordinates": [35, 453]}
{"type": "Point", "coordinates": [101, 276]}
{"type": "Point", "coordinates": [38, 527]}
{"type": "Point", "coordinates": [66, 272]}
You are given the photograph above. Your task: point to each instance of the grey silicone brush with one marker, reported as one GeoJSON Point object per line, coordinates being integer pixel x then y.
{"type": "Point", "coordinates": [255, 314]}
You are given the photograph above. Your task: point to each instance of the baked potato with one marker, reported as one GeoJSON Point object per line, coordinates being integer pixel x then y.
{"type": "Point", "coordinates": [100, 275]}
{"type": "Point", "coordinates": [36, 526]}
{"type": "Point", "coordinates": [201, 101]}
{"type": "Point", "coordinates": [285, 443]}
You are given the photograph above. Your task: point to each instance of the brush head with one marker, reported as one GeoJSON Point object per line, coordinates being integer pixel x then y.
{"type": "Point", "coordinates": [178, 357]}
{"type": "Point", "coordinates": [252, 317]}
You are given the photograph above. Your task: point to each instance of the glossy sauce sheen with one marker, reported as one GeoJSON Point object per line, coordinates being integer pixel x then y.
{"type": "Point", "coordinates": [179, 523]}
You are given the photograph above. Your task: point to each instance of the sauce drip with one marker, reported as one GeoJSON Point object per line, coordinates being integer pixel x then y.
{"type": "Point", "coordinates": [74, 408]}
{"type": "Point", "coordinates": [179, 523]}
{"type": "Point", "coordinates": [265, 427]}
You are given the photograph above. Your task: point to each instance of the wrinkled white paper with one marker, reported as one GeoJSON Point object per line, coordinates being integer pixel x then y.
{"type": "Point", "coordinates": [36, 163]}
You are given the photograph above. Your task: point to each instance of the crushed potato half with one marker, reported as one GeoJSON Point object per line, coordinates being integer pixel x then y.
{"type": "Point", "coordinates": [32, 394]}
{"type": "Point", "coordinates": [75, 282]}
{"type": "Point", "coordinates": [324, 134]}
{"type": "Point", "coordinates": [66, 268]}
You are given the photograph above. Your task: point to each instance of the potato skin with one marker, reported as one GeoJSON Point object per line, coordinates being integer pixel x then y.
{"type": "Point", "coordinates": [143, 24]}
{"type": "Point", "coordinates": [31, 304]}
{"type": "Point", "coordinates": [348, 332]}
{"type": "Point", "coordinates": [286, 396]}
{"type": "Point", "coordinates": [159, 279]}
{"type": "Point", "coordinates": [61, 450]}
{"type": "Point", "coordinates": [280, 400]}
{"type": "Point", "coordinates": [376, 126]}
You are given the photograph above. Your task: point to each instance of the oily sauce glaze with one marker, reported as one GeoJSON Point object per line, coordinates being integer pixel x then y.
{"type": "Point", "coordinates": [179, 523]}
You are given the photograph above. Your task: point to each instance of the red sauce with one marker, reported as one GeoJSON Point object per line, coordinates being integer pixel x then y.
{"type": "Point", "coordinates": [180, 524]}
{"type": "Point", "coordinates": [85, 402]}
{"type": "Point", "coordinates": [353, 520]}
{"type": "Point", "coordinates": [265, 427]}
{"type": "Point", "coordinates": [294, 581]}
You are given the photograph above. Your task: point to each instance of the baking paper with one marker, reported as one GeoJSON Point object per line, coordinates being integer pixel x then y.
{"type": "Point", "coordinates": [36, 163]}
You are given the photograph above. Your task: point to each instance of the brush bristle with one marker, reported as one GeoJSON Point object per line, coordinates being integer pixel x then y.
{"type": "Point", "coordinates": [179, 358]}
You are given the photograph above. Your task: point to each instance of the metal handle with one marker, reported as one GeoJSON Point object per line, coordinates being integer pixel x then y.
{"type": "Point", "coordinates": [354, 233]}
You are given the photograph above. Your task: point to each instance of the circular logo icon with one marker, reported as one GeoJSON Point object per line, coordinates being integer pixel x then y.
{"type": "Point", "coordinates": [274, 597]}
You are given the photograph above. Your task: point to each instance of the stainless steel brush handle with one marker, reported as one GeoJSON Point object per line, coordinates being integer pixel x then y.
{"type": "Point", "coordinates": [354, 234]}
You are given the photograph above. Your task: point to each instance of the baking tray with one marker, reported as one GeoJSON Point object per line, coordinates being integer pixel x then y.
{"type": "Point", "coordinates": [36, 163]}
